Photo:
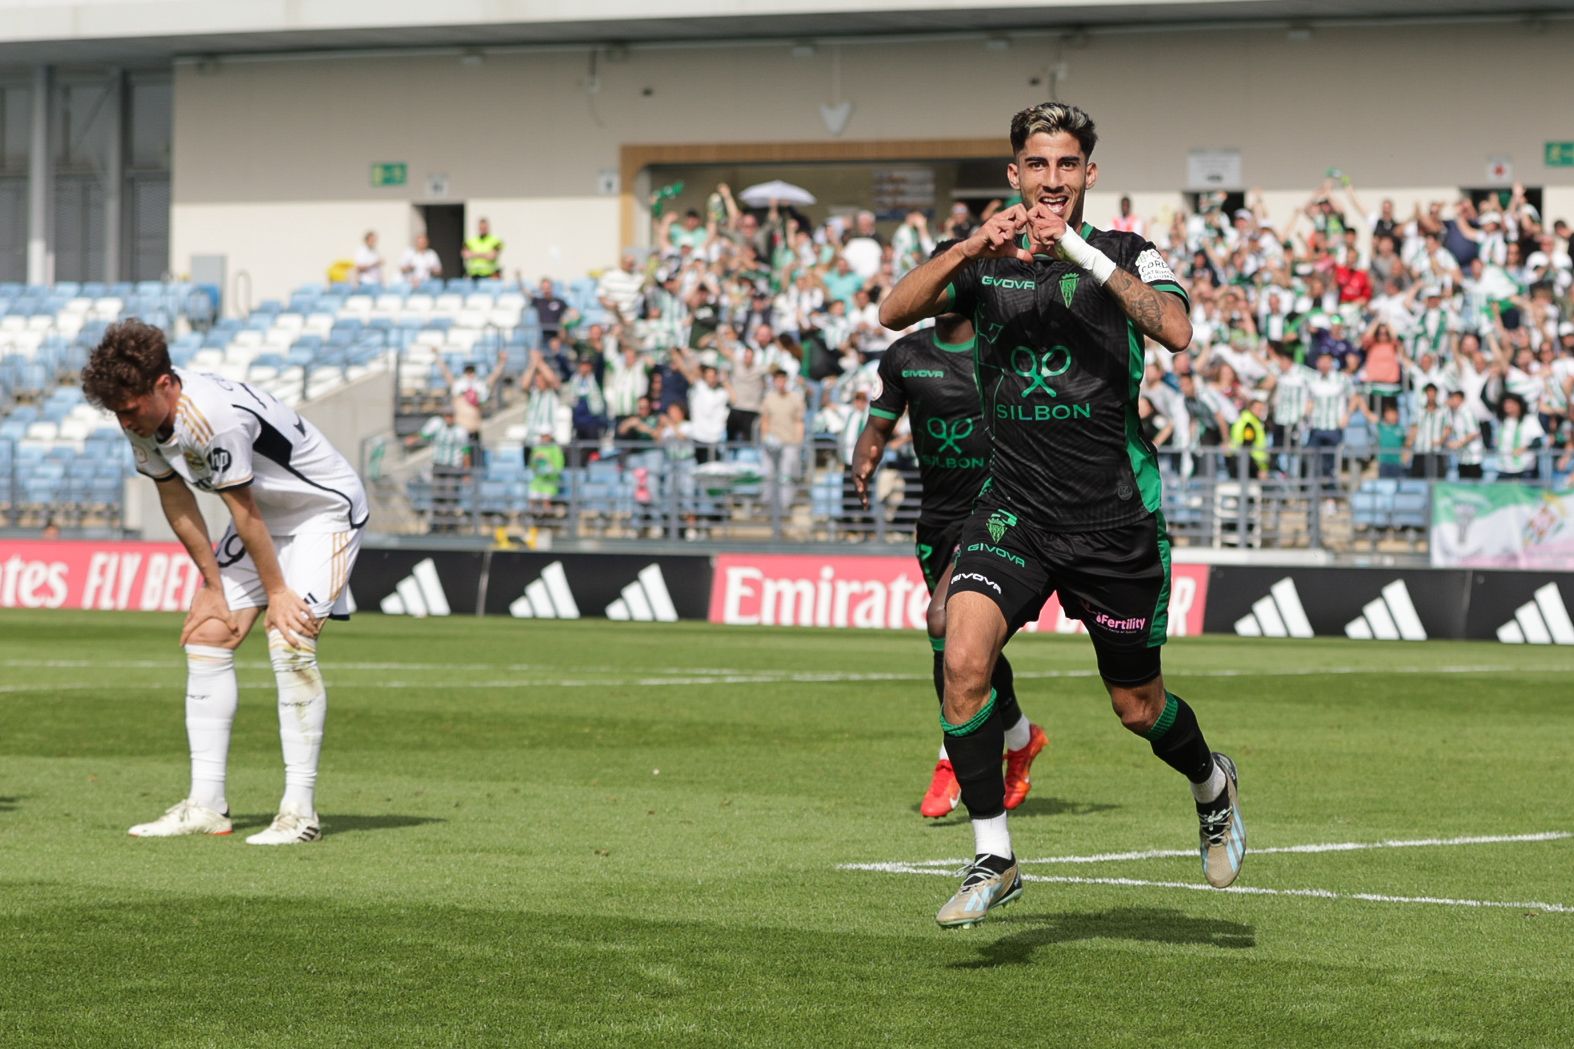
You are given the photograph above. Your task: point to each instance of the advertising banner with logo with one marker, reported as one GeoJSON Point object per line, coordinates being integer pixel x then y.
{"type": "Point", "coordinates": [108, 576]}
{"type": "Point", "coordinates": [592, 586]}
{"type": "Point", "coordinates": [881, 592]}
{"type": "Point", "coordinates": [405, 581]}
{"type": "Point", "coordinates": [1360, 603]}
{"type": "Point", "coordinates": [1521, 608]}
{"type": "Point", "coordinates": [1502, 526]}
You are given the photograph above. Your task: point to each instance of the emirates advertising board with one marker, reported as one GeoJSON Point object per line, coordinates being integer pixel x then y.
{"type": "Point", "coordinates": [882, 593]}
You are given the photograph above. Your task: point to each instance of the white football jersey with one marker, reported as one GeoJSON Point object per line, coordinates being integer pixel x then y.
{"type": "Point", "coordinates": [229, 434]}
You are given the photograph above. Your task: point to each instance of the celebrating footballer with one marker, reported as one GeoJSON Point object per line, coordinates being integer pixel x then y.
{"type": "Point", "coordinates": [1062, 313]}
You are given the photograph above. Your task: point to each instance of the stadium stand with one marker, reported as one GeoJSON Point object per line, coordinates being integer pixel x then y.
{"type": "Point", "coordinates": [1266, 304]}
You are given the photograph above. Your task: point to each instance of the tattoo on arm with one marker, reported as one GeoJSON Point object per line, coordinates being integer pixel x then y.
{"type": "Point", "coordinates": [1144, 305]}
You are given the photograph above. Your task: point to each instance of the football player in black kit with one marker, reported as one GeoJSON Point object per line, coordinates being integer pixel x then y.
{"type": "Point", "coordinates": [929, 374]}
{"type": "Point", "coordinates": [1061, 314]}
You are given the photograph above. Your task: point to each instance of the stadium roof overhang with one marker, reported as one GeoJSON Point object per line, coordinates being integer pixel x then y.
{"type": "Point", "coordinates": [156, 31]}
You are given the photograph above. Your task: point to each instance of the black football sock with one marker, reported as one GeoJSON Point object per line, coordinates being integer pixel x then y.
{"type": "Point", "coordinates": [1005, 686]}
{"type": "Point", "coordinates": [975, 750]}
{"type": "Point", "coordinates": [938, 644]}
{"type": "Point", "coordinates": [1178, 742]}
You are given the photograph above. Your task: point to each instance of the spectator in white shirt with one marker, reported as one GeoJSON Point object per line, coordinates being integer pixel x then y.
{"type": "Point", "coordinates": [368, 264]}
{"type": "Point", "coordinates": [619, 289]}
{"type": "Point", "coordinates": [708, 408]}
{"type": "Point", "coordinates": [1518, 438]}
{"type": "Point", "coordinates": [420, 263]}
{"type": "Point", "coordinates": [863, 249]}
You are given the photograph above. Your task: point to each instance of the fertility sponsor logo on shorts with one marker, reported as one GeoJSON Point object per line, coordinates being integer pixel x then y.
{"type": "Point", "coordinates": [1134, 625]}
{"type": "Point", "coordinates": [960, 576]}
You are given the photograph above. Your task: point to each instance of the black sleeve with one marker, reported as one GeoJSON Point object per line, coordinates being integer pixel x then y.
{"type": "Point", "coordinates": [963, 288]}
{"type": "Point", "coordinates": [890, 400]}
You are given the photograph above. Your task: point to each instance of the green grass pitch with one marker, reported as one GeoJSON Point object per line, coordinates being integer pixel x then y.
{"type": "Point", "coordinates": [599, 834]}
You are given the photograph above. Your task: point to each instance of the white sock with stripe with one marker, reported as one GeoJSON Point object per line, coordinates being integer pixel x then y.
{"type": "Point", "coordinates": [303, 709]}
{"type": "Point", "coordinates": [211, 696]}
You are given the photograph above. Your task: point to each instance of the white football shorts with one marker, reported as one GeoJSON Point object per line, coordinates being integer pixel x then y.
{"type": "Point", "coordinates": [316, 566]}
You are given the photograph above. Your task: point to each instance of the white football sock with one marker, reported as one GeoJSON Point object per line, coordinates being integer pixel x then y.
{"type": "Point", "coordinates": [303, 707]}
{"type": "Point", "coordinates": [991, 836]}
{"type": "Point", "coordinates": [210, 713]}
{"type": "Point", "coordinates": [1017, 735]}
{"type": "Point", "coordinates": [1212, 787]}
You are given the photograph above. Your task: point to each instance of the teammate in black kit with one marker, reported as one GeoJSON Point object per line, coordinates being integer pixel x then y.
{"type": "Point", "coordinates": [929, 374]}
{"type": "Point", "coordinates": [1061, 313]}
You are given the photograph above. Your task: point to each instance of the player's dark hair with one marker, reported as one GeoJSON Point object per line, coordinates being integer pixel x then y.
{"type": "Point", "coordinates": [126, 363]}
{"type": "Point", "coordinates": [1051, 118]}
{"type": "Point", "coordinates": [944, 246]}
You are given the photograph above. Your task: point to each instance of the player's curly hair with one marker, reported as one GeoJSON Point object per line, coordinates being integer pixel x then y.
{"type": "Point", "coordinates": [1050, 118]}
{"type": "Point", "coordinates": [126, 363]}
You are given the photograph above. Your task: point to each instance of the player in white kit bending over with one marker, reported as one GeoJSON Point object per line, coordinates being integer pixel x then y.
{"type": "Point", "coordinates": [297, 510]}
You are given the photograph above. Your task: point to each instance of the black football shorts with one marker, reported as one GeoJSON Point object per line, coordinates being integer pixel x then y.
{"type": "Point", "coordinates": [1116, 581]}
{"type": "Point", "coordinates": [936, 543]}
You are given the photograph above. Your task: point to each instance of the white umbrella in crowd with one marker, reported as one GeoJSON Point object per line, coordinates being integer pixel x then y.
{"type": "Point", "coordinates": [761, 195]}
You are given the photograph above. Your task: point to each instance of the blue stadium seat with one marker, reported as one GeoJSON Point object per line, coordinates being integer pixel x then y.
{"type": "Point", "coordinates": [495, 497]}
{"type": "Point", "coordinates": [1412, 503]}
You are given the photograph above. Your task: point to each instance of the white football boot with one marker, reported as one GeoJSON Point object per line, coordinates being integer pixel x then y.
{"type": "Point", "coordinates": [288, 828]}
{"type": "Point", "coordinates": [185, 818]}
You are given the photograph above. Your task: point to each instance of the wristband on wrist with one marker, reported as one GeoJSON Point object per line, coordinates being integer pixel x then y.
{"type": "Point", "coordinates": [1077, 251]}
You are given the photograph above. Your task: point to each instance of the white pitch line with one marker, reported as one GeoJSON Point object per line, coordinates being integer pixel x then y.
{"type": "Point", "coordinates": [1158, 854]}
{"type": "Point", "coordinates": [1256, 890]}
{"type": "Point", "coordinates": [682, 677]}
{"type": "Point", "coordinates": [947, 868]}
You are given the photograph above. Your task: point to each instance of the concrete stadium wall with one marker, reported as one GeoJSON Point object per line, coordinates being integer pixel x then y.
{"type": "Point", "coordinates": [272, 156]}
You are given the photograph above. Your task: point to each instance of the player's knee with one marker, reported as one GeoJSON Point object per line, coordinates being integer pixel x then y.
{"type": "Point", "coordinates": [1137, 707]}
{"type": "Point", "coordinates": [295, 667]}
{"type": "Point", "coordinates": [966, 681]}
{"type": "Point", "coordinates": [936, 619]}
{"type": "Point", "coordinates": [213, 634]}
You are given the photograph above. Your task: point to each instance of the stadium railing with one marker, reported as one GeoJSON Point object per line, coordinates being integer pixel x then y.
{"type": "Point", "coordinates": [1302, 499]}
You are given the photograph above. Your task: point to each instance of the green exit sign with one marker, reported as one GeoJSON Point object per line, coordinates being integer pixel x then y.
{"type": "Point", "coordinates": [390, 174]}
{"type": "Point", "coordinates": [1560, 155]}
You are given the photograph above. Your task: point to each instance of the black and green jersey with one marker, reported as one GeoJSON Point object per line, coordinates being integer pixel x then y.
{"type": "Point", "coordinates": [1059, 365]}
{"type": "Point", "coordinates": [933, 382]}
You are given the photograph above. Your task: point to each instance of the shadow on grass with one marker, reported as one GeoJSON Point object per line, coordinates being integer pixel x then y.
{"type": "Point", "coordinates": [8, 804]}
{"type": "Point", "coordinates": [336, 823]}
{"type": "Point", "coordinates": [1034, 807]}
{"type": "Point", "coordinates": [1143, 924]}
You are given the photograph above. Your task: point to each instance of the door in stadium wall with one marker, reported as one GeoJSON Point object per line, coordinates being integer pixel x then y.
{"type": "Point", "coordinates": [445, 228]}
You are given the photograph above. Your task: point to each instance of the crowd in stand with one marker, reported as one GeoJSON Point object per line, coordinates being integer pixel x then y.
{"type": "Point", "coordinates": [1443, 340]}
{"type": "Point", "coordinates": [1438, 343]}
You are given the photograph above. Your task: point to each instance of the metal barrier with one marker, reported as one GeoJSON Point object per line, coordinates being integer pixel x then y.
{"type": "Point", "coordinates": [1307, 498]}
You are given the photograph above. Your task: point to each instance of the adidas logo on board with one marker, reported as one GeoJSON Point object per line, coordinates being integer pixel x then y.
{"type": "Point", "coordinates": [646, 600]}
{"type": "Point", "coordinates": [418, 594]}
